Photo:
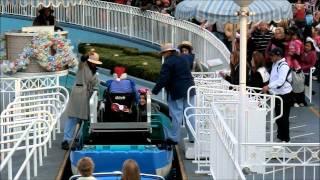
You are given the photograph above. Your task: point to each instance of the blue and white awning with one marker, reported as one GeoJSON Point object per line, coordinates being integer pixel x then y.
{"type": "Point", "coordinates": [37, 3]}
{"type": "Point", "coordinates": [225, 10]}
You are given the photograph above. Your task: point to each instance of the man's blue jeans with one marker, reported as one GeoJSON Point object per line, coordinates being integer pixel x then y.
{"type": "Point", "coordinates": [69, 128]}
{"type": "Point", "coordinates": [176, 108]}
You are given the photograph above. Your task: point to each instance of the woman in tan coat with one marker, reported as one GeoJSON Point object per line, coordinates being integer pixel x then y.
{"type": "Point", "coordinates": [78, 107]}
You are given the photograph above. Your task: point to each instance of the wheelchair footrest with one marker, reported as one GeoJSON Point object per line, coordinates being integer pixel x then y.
{"type": "Point", "coordinates": [120, 127]}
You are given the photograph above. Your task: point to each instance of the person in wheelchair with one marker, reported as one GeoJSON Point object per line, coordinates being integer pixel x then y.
{"type": "Point", "coordinates": [121, 96]}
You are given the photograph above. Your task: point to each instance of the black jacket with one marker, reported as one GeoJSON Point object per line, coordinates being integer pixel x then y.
{"type": "Point", "coordinates": [255, 80]}
{"type": "Point", "coordinates": [176, 77]}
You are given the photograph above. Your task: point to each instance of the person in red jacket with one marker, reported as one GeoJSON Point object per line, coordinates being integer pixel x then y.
{"type": "Point", "coordinates": [309, 57]}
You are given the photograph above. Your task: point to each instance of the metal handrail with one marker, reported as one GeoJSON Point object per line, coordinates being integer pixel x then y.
{"type": "Point", "coordinates": [25, 137]}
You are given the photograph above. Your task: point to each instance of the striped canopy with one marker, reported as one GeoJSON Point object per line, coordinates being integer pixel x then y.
{"type": "Point", "coordinates": [225, 10]}
{"type": "Point", "coordinates": [37, 3]}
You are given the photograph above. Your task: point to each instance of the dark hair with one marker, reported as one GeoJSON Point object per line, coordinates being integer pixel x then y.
{"type": "Point", "coordinates": [312, 46]}
{"type": "Point", "coordinates": [187, 47]}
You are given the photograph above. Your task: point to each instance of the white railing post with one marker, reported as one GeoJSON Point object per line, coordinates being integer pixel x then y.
{"type": "Point", "coordinates": [83, 14]}
{"type": "Point", "coordinates": [27, 139]}
{"type": "Point", "coordinates": [131, 24]}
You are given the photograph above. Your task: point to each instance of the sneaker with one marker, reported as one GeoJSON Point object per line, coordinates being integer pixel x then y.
{"type": "Point", "coordinates": [65, 145]}
{"type": "Point", "coordinates": [314, 78]}
{"type": "Point", "coordinates": [301, 105]}
{"type": "Point", "coordinates": [296, 105]}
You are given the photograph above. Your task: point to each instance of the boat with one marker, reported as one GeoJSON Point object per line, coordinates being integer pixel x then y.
{"type": "Point", "coordinates": [110, 138]}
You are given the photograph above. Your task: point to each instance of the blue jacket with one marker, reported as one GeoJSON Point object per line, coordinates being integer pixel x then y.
{"type": "Point", "coordinates": [175, 77]}
{"type": "Point", "coordinates": [124, 89]}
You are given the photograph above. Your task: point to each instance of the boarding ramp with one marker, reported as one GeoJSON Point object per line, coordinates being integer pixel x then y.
{"type": "Point", "coordinates": [218, 134]}
{"type": "Point", "coordinates": [29, 122]}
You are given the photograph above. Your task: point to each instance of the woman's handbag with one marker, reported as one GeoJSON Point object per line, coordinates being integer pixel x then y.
{"type": "Point", "coordinates": [298, 81]}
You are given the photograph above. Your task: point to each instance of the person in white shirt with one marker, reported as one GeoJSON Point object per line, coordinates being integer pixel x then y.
{"type": "Point", "coordinates": [279, 84]}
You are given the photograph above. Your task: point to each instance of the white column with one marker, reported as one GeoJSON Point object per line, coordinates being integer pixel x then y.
{"type": "Point", "coordinates": [243, 64]}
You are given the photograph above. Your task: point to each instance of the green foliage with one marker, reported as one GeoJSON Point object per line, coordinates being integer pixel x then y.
{"type": "Point", "coordinates": [144, 65]}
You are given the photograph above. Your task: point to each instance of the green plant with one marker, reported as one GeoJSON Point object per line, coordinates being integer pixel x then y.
{"type": "Point", "coordinates": [144, 65]}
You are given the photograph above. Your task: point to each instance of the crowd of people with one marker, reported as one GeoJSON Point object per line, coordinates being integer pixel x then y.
{"type": "Point", "coordinates": [161, 6]}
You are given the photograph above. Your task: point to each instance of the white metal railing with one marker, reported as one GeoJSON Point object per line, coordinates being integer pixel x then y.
{"type": "Point", "coordinates": [259, 158]}
{"type": "Point", "coordinates": [227, 101]}
{"type": "Point", "coordinates": [149, 26]}
{"type": "Point", "coordinates": [11, 87]}
{"type": "Point", "coordinates": [308, 89]}
{"type": "Point", "coordinates": [31, 99]}
{"type": "Point", "coordinates": [25, 115]}
{"type": "Point", "coordinates": [282, 161]}
{"type": "Point", "coordinates": [32, 137]}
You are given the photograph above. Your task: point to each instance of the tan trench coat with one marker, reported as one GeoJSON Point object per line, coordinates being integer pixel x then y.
{"type": "Point", "coordinates": [78, 105]}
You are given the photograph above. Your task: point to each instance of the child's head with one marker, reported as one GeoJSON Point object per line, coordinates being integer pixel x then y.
{"type": "Point", "coordinates": [130, 170]}
{"type": "Point", "coordinates": [143, 99]}
{"type": "Point", "coordinates": [308, 46]}
{"type": "Point", "coordinates": [85, 166]}
{"type": "Point", "coordinates": [143, 96]}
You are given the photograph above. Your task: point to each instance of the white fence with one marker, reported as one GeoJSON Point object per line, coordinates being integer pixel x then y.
{"type": "Point", "coordinates": [29, 120]}
{"type": "Point", "coordinates": [149, 26]}
{"type": "Point", "coordinates": [228, 149]}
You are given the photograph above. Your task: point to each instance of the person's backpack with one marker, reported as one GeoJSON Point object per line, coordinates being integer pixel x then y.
{"type": "Point", "coordinates": [297, 81]}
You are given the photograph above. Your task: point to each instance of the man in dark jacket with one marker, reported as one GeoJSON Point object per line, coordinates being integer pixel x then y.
{"type": "Point", "coordinates": [176, 78]}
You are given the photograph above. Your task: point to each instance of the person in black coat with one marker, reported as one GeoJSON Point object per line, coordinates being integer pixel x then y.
{"type": "Point", "coordinates": [46, 18]}
{"type": "Point", "coordinates": [176, 78]}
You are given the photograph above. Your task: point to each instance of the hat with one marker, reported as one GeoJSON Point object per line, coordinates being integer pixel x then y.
{"type": "Point", "coordinates": [276, 51]}
{"type": "Point", "coordinates": [167, 47]}
{"type": "Point", "coordinates": [185, 43]}
{"type": "Point", "coordinates": [143, 90]}
{"type": "Point", "coordinates": [119, 72]}
{"type": "Point", "coordinates": [94, 58]}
